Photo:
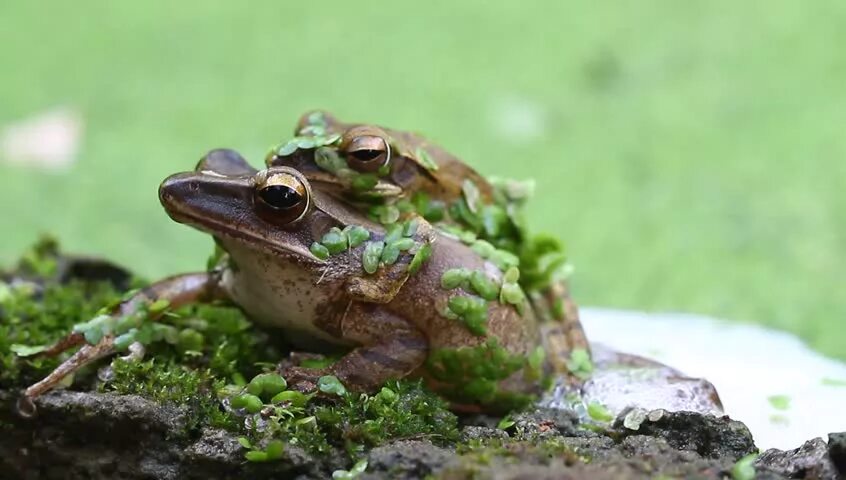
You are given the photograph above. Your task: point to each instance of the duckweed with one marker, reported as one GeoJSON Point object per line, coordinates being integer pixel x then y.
{"type": "Point", "coordinates": [420, 257]}
{"type": "Point", "coordinates": [319, 250]}
{"type": "Point", "coordinates": [425, 159]}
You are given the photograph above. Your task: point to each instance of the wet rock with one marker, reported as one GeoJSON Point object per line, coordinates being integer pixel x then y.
{"type": "Point", "coordinates": [837, 451]}
{"type": "Point", "coordinates": [810, 461]}
{"type": "Point", "coordinates": [102, 436]}
{"type": "Point", "coordinates": [707, 435]}
{"type": "Point", "coordinates": [411, 459]}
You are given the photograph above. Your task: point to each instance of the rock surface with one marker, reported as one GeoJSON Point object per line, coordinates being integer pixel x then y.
{"type": "Point", "coordinates": [102, 436]}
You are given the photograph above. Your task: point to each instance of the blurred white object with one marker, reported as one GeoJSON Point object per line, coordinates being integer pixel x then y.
{"type": "Point", "coordinates": [748, 365]}
{"type": "Point", "coordinates": [519, 120]}
{"type": "Point", "coordinates": [48, 140]}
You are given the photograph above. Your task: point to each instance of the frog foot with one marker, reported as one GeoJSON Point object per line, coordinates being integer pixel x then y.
{"type": "Point", "coordinates": [85, 355]}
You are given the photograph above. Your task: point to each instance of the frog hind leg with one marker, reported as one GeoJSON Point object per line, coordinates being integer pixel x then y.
{"type": "Point", "coordinates": [390, 348]}
{"type": "Point", "coordinates": [178, 290]}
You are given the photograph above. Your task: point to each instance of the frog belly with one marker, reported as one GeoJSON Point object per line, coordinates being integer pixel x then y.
{"type": "Point", "coordinates": [280, 294]}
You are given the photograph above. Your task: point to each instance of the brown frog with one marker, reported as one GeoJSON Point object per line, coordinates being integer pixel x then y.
{"type": "Point", "coordinates": [374, 169]}
{"type": "Point", "coordinates": [403, 300]}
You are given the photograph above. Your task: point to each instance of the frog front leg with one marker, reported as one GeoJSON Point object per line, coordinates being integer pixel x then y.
{"type": "Point", "coordinates": [115, 330]}
{"type": "Point", "coordinates": [390, 347]}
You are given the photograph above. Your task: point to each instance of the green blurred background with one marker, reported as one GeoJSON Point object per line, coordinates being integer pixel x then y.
{"type": "Point", "coordinates": [691, 154]}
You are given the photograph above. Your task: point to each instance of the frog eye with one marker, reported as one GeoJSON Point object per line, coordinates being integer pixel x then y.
{"type": "Point", "coordinates": [366, 148]}
{"type": "Point", "coordinates": [281, 195]}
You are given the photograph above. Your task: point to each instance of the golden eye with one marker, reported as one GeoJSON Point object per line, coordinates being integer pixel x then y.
{"type": "Point", "coordinates": [366, 148]}
{"type": "Point", "coordinates": [281, 194]}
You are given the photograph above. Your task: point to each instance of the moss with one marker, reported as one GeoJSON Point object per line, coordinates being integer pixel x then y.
{"type": "Point", "coordinates": [169, 383]}
{"type": "Point", "coordinates": [354, 422]}
{"type": "Point", "coordinates": [34, 315]}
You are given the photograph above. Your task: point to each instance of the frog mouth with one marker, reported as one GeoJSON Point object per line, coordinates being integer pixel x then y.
{"type": "Point", "coordinates": [223, 206]}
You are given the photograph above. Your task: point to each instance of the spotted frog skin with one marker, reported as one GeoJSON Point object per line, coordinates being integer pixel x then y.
{"type": "Point", "coordinates": [299, 260]}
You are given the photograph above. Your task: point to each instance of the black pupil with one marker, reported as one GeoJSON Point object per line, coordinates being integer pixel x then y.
{"type": "Point", "coordinates": [280, 196]}
{"type": "Point", "coordinates": [366, 155]}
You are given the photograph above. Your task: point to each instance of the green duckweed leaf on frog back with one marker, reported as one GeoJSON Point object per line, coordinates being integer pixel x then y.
{"type": "Point", "coordinates": [371, 256]}
{"type": "Point", "coordinates": [317, 118]}
{"type": "Point", "coordinates": [425, 159]}
{"type": "Point", "coordinates": [512, 293]}
{"type": "Point", "coordinates": [403, 244]}
{"type": "Point", "coordinates": [483, 286]}
{"type": "Point", "coordinates": [330, 384]}
{"type": "Point", "coordinates": [410, 227]}
{"type": "Point", "coordinates": [267, 385]}
{"type": "Point", "coordinates": [419, 258]}
{"type": "Point", "coordinates": [288, 148]}
{"type": "Point", "coordinates": [159, 306]}
{"type": "Point", "coordinates": [319, 250]}
{"type": "Point", "coordinates": [390, 254]}
{"type": "Point", "coordinates": [454, 277]}
{"type": "Point", "coordinates": [364, 182]}
{"type": "Point", "coordinates": [329, 160]}
{"type": "Point", "coordinates": [295, 398]}
{"type": "Point", "coordinates": [483, 248]}
{"type": "Point", "coordinates": [390, 214]}
{"type": "Point", "coordinates": [393, 232]}
{"type": "Point", "coordinates": [335, 241]}
{"type": "Point", "coordinates": [357, 235]}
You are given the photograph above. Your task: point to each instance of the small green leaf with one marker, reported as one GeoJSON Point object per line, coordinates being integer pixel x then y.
{"type": "Point", "coordinates": [256, 456]}
{"type": "Point", "coordinates": [410, 227]}
{"type": "Point", "coordinates": [329, 160]}
{"type": "Point", "coordinates": [744, 469]}
{"type": "Point", "coordinates": [403, 244]}
{"type": "Point", "coordinates": [779, 402]}
{"type": "Point", "coordinates": [371, 256]}
{"type": "Point", "coordinates": [483, 248]}
{"type": "Point", "coordinates": [159, 306]}
{"type": "Point", "coordinates": [319, 250]}
{"type": "Point", "coordinates": [275, 449]}
{"type": "Point", "coordinates": [471, 195]}
{"type": "Point", "coordinates": [512, 275]}
{"type": "Point", "coordinates": [364, 182]}
{"type": "Point", "coordinates": [335, 241]}
{"type": "Point", "coordinates": [512, 293]}
{"type": "Point", "coordinates": [599, 412]}
{"type": "Point", "coordinates": [390, 254]}
{"type": "Point", "coordinates": [295, 398]}
{"type": "Point", "coordinates": [245, 442]}
{"type": "Point", "coordinates": [357, 235]}
{"type": "Point", "coordinates": [454, 277]}
{"type": "Point", "coordinates": [505, 423]}
{"type": "Point", "coordinates": [483, 286]}
{"type": "Point", "coordinates": [833, 382]}
{"type": "Point", "coordinates": [580, 363]}
{"type": "Point", "coordinates": [26, 350]}
{"type": "Point", "coordinates": [331, 384]}
{"type": "Point", "coordinates": [419, 258]}
{"type": "Point", "coordinates": [425, 159]}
